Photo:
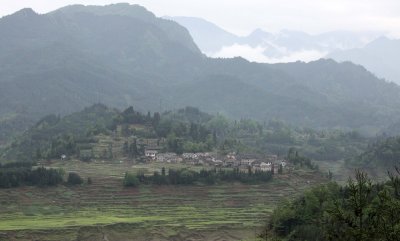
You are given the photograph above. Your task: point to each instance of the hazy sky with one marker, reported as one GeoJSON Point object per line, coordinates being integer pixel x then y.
{"type": "Point", "coordinates": [242, 16]}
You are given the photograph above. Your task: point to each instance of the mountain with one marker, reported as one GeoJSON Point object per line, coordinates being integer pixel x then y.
{"type": "Point", "coordinates": [208, 36]}
{"type": "Point", "coordinates": [82, 57]}
{"type": "Point", "coordinates": [319, 94]}
{"type": "Point", "coordinates": [380, 57]}
{"type": "Point", "coordinates": [76, 56]}
{"type": "Point", "coordinates": [173, 31]}
{"type": "Point", "coordinates": [284, 46]}
{"type": "Point", "coordinates": [122, 55]}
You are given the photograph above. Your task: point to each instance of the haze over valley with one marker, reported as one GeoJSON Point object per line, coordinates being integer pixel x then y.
{"type": "Point", "coordinates": [365, 48]}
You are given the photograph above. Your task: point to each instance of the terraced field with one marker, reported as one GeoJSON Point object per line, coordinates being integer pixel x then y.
{"type": "Point", "coordinates": [98, 211]}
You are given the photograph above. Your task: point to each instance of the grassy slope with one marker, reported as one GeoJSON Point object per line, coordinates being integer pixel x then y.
{"type": "Point", "coordinates": [160, 212]}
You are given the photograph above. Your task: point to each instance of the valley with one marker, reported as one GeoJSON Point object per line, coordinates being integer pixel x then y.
{"type": "Point", "coordinates": [226, 211]}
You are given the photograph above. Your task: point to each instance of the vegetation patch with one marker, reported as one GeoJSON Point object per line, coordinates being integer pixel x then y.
{"type": "Point", "coordinates": [106, 202]}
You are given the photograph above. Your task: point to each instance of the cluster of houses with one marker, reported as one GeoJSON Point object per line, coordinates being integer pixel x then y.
{"type": "Point", "coordinates": [255, 161]}
{"type": "Point", "coordinates": [153, 153]}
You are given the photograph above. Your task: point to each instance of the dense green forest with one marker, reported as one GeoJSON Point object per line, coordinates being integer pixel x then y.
{"type": "Point", "coordinates": [188, 177]}
{"type": "Point", "coordinates": [19, 174]}
{"type": "Point", "coordinates": [380, 155]}
{"type": "Point", "coordinates": [359, 211]}
{"type": "Point", "coordinates": [53, 136]}
{"type": "Point", "coordinates": [16, 174]}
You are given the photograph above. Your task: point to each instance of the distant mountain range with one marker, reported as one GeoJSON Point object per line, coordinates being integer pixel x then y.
{"type": "Point", "coordinates": [381, 57]}
{"type": "Point", "coordinates": [212, 40]}
{"type": "Point", "coordinates": [378, 54]}
{"type": "Point", "coordinates": [122, 55]}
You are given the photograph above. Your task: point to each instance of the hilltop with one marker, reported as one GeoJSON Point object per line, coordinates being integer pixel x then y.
{"type": "Point", "coordinates": [102, 133]}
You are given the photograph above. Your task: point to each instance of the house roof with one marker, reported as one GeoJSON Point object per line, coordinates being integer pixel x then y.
{"type": "Point", "coordinates": [249, 156]}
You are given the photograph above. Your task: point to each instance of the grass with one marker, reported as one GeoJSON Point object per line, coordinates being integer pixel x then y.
{"type": "Point", "coordinates": [71, 219]}
{"type": "Point", "coordinates": [116, 169]}
{"type": "Point", "coordinates": [154, 207]}
{"type": "Point", "coordinates": [172, 210]}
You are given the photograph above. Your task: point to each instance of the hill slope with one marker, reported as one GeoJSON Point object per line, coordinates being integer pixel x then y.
{"type": "Point", "coordinates": [380, 56]}
{"type": "Point", "coordinates": [381, 156]}
{"type": "Point", "coordinates": [123, 55]}
{"type": "Point", "coordinates": [204, 31]}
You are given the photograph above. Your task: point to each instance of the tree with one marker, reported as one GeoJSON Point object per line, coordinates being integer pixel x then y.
{"type": "Point", "coordinates": [156, 119]}
{"type": "Point", "coordinates": [125, 148]}
{"type": "Point", "coordinates": [125, 131]}
{"type": "Point", "coordinates": [110, 151]}
{"type": "Point", "coordinates": [352, 215]}
{"type": "Point", "coordinates": [130, 180]}
{"type": "Point", "coordinates": [219, 124]}
{"type": "Point", "coordinates": [249, 171]}
{"type": "Point", "coordinates": [74, 179]}
{"type": "Point", "coordinates": [133, 150]}
{"type": "Point", "coordinates": [38, 154]}
{"type": "Point", "coordinates": [357, 211]}
{"type": "Point", "coordinates": [148, 117]}
{"type": "Point", "coordinates": [280, 169]}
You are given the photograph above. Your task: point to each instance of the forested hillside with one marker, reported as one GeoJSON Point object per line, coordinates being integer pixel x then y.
{"type": "Point", "coordinates": [122, 55]}
{"type": "Point", "coordinates": [100, 132]}
{"type": "Point", "coordinates": [381, 155]}
{"type": "Point", "coordinates": [361, 210]}
{"type": "Point", "coordinates": [380, 57]}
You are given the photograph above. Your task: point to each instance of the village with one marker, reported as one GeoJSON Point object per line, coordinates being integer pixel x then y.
{"type": "Point", "coordinates": [152, 150]}
{"type": "Point", "coordinates": [265, 163]}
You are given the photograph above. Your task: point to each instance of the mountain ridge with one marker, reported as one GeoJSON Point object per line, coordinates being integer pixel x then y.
{"type": "Point", "coordinates": [55, 63]}
{"type": "Point", "coordinates": [380, 56]}
{"type": "Point", "coordinates": [283, 46]}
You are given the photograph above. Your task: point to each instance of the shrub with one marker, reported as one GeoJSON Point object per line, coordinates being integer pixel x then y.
{"type": "Point", "coordinates": [130, 180]}
{"type": "Point", "coordinates": [74, 179]}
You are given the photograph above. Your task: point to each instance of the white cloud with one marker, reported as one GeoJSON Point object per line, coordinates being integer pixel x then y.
{"type": "Point", "coordinates": [245, 51]}
{"type": "Point", "coordinates": [303, 55]}
{"type": "Point", "coordinates": [257, 54]}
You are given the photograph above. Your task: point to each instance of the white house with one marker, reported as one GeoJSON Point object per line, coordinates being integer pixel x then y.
{"type": "Point", "coordinates": [247, 162]}
{"type": "Point", "coordinates": [218, 163]}
{"type": "Point", "coordinates": [231, 156]}
{"type": "Point", "coordinates": [150, 153]}
{"type": "Point", "coordinates": [266, 167]}
{"type": "Point", "coordinates": [189, 155]}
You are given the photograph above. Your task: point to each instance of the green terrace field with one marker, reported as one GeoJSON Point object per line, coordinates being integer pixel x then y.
{"type": "Point", "coordinates": [98, 211]}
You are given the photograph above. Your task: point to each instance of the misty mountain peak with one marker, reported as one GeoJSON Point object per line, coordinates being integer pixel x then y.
{"type": "Point", "coordinates": [25, 13]}
{"type": "Point", "coordinates": [382, 41]}
{"type": "Point", "coordinates": [122, 9]}
{"type": "Point", "coordinates": [174, 32]}
{"type": "Point", "coordinates": [259, 33]}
